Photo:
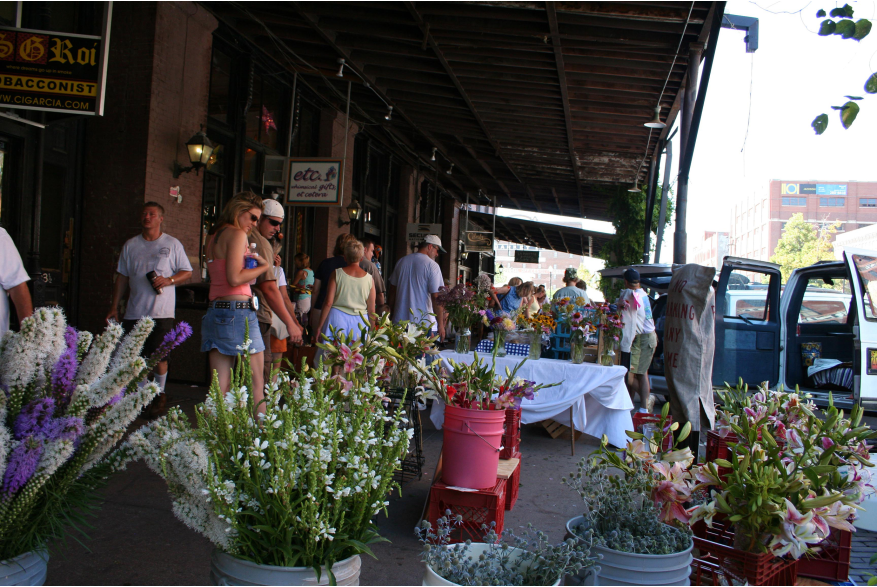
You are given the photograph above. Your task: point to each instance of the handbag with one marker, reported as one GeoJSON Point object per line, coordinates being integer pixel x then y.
{"type": "Point", "coordinates": [278, 328]}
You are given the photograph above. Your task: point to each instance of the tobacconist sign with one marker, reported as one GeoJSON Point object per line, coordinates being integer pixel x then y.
{"type": "Point", "coordinates": [55, 72]}
{"type": "Point", "coordinates": [314, 182]}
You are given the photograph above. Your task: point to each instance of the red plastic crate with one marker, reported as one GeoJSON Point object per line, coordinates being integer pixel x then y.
{"type": "Point", "coordinates": [476, 508]}
{"type": "Point", "coordinates": [717, 448]}
{"type": "Point", "coordinates": [640, 418]}
{"type": "Point", "coordinates": [717, 562]}
{"type": "Point", "coordinates": [513, 484]}
{"type": "Point", "coordinates": [832, 563]}
{"type": "Point", "coordinates": [511, 438]}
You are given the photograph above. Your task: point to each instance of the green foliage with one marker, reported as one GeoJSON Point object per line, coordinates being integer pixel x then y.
{"type": "Point", "coordinates": [628, 213]}
{"type": "Point", "coordinates": [845, 28]}
{"type": "Point", "coordinates": [801, 245]}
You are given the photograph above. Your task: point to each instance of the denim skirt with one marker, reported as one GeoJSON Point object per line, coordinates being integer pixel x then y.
{"type": "Point", "coordinates": [225, 330]}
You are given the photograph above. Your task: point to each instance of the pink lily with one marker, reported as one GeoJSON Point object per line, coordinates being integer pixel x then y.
{"type": "Point", "coordinates": [352, 358]}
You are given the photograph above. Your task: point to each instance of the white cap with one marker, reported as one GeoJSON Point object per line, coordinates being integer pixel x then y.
{"type": "Point", "coordinates": [273, 208]}
{"type": "Point", "coordinates": [434, 240]}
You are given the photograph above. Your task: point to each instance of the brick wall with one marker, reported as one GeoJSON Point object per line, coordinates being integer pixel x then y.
{"type": "Point", "coordinates": [159, 68]}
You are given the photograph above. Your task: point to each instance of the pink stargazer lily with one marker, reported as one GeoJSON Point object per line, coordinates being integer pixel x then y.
{"type": "Point", "coordinates": [352, 358]}
{"type": "Point", "coordinates": [671, 492]}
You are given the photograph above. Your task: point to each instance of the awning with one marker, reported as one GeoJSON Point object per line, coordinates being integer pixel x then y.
{"type": "Point", "coordinates": [554, 237]}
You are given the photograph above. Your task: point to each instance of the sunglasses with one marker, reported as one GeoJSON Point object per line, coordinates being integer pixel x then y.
{"type": "Point", "coordinates": [275, 222]}
{"type": "Point", "coordinates": [254, 218]}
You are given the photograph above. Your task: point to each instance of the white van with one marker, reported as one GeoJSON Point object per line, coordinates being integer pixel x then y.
{"type": "Point", "coordinates": [761, 325]}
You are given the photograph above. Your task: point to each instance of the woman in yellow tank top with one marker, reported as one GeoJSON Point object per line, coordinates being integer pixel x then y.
{"type": "Point", "coordinates": [350, 296]}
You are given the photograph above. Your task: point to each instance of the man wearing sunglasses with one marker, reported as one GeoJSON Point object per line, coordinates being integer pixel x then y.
{"type": "Point", "coordinates": [270, 300]}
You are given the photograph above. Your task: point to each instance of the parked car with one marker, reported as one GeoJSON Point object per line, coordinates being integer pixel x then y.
{"type": "Point", "coordinates": [761, 324]}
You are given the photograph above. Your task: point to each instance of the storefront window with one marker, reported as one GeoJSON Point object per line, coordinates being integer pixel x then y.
{"type": "Point", "coordinates": [220, 76]}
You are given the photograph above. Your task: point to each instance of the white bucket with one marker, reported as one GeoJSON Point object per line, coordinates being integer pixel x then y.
{"type": "Point", "coordinates": [228, 570]}
{"type": "Point", "coordinates": [25, 569]}
{"type": "Point", "coordinates": [430, 577]}
{"type": "Point", "coordinates": [628, 568]}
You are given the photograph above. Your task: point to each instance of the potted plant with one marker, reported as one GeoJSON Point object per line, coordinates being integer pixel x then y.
{"type": "Point", "coordinates": [637, 520]}
{"type": "Point", "coordinates": [807, 473]}
{"type": "Point", "coordinates": [475, 400]}
{"type": "Point", "coordinates": [67, 399]}
{"type": "Point", "coordinates": [287, 496]}
{"type": "Point", "coordinates": [504, 559]}
{"type": "Point", "coordinates": [501, 324]}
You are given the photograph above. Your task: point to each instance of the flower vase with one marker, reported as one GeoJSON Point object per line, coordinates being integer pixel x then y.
{"type": "Point", "coordinates": [535, 344]}
{"type": "Point", "coordinates": [499, 342]}
{"type": "Point", "coordinates": [607, 358]}
{"type": "Point", "coordinates": [462, 344]}
{"type": "Point", "coordinates": [577, 347]}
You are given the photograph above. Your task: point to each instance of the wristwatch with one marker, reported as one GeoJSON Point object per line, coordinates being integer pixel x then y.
{"type": "Point", "coordinates": [172, 280]}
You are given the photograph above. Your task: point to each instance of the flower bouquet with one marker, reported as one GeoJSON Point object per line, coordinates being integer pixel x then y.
{"type": "Point", "coordinates": [67, 399]}
{"type": "Point", "coordinates": [297, 486]}
{"type": "Point", "coordinates": [541, 326]}
{"type": "Point", "coordinates": [501, 324]}
{"type": "Point", "coordinates": [581, 328]}
{"type": "Point", "coordinates": [610, 327]}
{"type": "Point", "coordinates": [462, 303]}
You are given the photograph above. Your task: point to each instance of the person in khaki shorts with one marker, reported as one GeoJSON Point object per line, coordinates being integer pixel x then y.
{"type": "Point", "coordinates": [642, 349]}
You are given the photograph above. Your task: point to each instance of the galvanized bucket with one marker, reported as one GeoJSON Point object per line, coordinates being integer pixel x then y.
{"type": "Point", "coordinates": [25, 569]}
{"type": "Point", "coordinates": [228, 570]}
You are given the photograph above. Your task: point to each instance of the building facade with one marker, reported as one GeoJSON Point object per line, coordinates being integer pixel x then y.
{"type": "Point", "coordinates": [548, 271]}
{"type": "Point", "coordinates": [758, 221]}
{"type": "Point", "coordinates": [711, 250]}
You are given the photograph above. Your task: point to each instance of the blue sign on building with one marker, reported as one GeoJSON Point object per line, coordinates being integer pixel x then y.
{"type": "Point", "coordinates": [831, 189]}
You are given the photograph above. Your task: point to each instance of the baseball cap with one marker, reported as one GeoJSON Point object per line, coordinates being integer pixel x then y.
{"type": "Point", "coordinates": [631, 276]}
{"type": "Point", "coordinates": [434, 240]}
{"type": "Point", "coordinates": [273, 208]}
{"type": "Point", "coordinates": [571, 273]}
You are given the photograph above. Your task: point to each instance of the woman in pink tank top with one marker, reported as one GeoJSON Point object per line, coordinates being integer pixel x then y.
{"type": "Point", "coordinates": [231, 306]}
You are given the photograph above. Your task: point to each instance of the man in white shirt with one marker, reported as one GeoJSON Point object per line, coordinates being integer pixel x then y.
{"type": "Point", "coordinates": [644, 343]}
{"type": "Point", "coordinates": [570, 277]}
{"type": "Point", "coordinates": [152, 264]}
{"type": "Point", "coordinates": [416, 281]}
{"type": "Point", "coordinates": [13, 283]}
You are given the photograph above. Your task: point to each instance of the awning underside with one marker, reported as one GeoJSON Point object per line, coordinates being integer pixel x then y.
{"type": "Point", "coordinates": [567, 239]}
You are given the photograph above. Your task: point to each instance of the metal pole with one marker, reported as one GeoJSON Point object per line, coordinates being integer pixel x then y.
{"type": "Point", "coordinates": [665, 191]}
{"type": "Point", "coordinates": [650, 203]}
{"type": "Point", "coordinates": [346, 133]}
{"type": "Point", "coordinates": [290, 221]}
{"type": "Point", "coordinates": [680, 237]}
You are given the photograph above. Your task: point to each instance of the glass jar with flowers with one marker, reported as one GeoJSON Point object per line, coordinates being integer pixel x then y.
{"type": "Point", "coordinates": [462, 303]}
{"type": "Point", "coordinates": [580, 328]}
{"type": "Point", "coordinates": [610, 327]}
{"type": "Point", "coordinates": [541, 325]}
{"type": "Point", "coordinates": [500, 324]}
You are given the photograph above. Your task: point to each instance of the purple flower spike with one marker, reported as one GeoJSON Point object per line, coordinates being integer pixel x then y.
{"type": "Point", "coordinates": [71, 337]}
{"type": "Point", "coordinates": [22, 465]}
{"type": "Point", "coordinates": [33, 418]}
{"type": "Point", "coordinates": [66, 428]}
{"type": "Point", "coordinates": [64, 374]}
{"type": "Point", "coordinates": [172, 340]}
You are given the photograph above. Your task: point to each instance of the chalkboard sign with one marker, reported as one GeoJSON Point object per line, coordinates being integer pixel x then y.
{"type": "Point", "coordinates": [526, 256]}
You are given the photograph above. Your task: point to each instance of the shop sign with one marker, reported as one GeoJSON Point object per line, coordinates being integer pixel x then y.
{"type": "Point", "coordinates": [526, 256]}
{"type": "Point", "coordinates": [417, 232]}
{"type": "Point", "coordinates": [478, 241]}
{"type": "Point", "coordinates": [314, 182]}
{"type": "Point", "coordinates": [53, 72]}
{"type": "Point", "coordinates": [819, 189]}
{"type": "Point", "coordinates": [831, 189]}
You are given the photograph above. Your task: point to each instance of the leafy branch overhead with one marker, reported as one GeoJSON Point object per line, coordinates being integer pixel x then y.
{"type": "Point", "coordinates": [840, 22]}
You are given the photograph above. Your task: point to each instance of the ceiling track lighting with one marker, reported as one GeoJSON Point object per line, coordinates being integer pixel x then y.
{"type": "Point", "coordinates": [434, 149]}
{"type": "Point", "coordinates": [340, 68]}
{"type": "Point", "coordinates": [450, 170]}
{"type": "Point", "coordinates": [389, 115]}
{"type": "Point", "coordinates": [656, 121]}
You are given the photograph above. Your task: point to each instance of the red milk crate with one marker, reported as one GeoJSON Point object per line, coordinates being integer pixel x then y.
{"type": "Point", "coordinates": [476, 508]}
{"type": "Point", "coordinates": [640, 418]}
{"type": "Point", "coordinates": [717, 562]}
{"type": "Point", "coordinates": [832, 563]}
{"type": "Point", "coordinates": [717, 448]}
{"type": "Point", "coordinates": [511, 437]}
{"type": "Point", "coordinates": [513, 484]}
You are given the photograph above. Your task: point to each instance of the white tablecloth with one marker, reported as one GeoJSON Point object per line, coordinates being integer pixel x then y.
{"type": "Point", "coordinates": [599, 398]}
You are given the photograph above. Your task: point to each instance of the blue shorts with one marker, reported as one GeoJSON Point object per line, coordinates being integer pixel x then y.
{"type": "Point", "coordinates": [225, 330]}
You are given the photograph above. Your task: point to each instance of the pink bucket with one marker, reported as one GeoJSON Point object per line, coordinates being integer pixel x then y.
{"type": "Point", "coordinates": [472, 441]}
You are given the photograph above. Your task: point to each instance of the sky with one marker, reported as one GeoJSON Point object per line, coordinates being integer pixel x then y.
{"type": "Point", "coordinates": [756, 119]}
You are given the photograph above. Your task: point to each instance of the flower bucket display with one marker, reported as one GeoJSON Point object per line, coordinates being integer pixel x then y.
{"type": "Point", "coordinates": [25, 569]}
{"type": "Point", "coordinates": [502, 558]}
{"type": "Point", "coordinates": [629, 568]}
{"type": "Point", "coordinates": [472, 442]}
{"type": "Point", "coordinates": [228, 570]}
{"type": "Point", "coordinates": [461, 346]}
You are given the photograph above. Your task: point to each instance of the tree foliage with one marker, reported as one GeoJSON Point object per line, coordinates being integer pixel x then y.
{"type": "Point", "coordinates": [840, 22]}
{"type": "Point", "coordinates": [802, 245]}
{"type": "Point", "coordinates": [628, 213]}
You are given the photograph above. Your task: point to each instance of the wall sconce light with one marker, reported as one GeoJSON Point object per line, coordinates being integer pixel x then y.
{"type": "Point", "coordinates": [200, 149]}
{"type": "Point", "coordinates": [354, 211]}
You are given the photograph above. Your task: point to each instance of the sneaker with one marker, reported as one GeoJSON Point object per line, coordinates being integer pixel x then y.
{"type": "Point", "coordinates": [650, 404]}
{"type": "Point", "coordinates": [643, 411]}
